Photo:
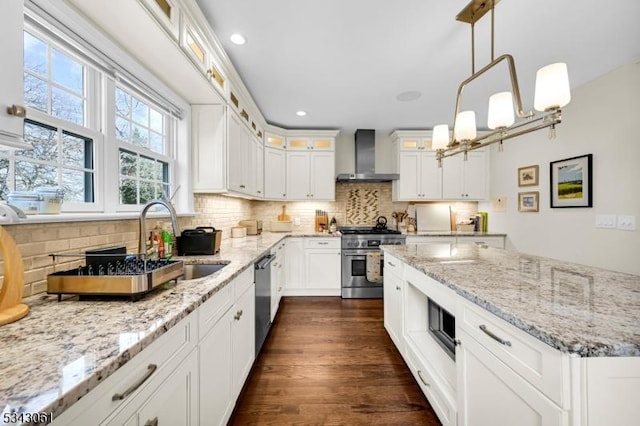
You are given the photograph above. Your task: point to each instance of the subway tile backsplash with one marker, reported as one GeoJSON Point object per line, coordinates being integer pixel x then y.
{"type": "Point", "coordinates": [355, 204]}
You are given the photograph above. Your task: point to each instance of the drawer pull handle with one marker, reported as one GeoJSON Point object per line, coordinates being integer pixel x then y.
{"type": "Point", "coordinates": [391, 264]}
{"type": "Point", "coordinates": [238, 315]}
{"type": "Point", "coordinates": [493, 336]}
{"type": "Point", "coordinates": [324, 243]}
{"type": "Point", "coordinates": [422, 379]}
{"type": "Point", "coordinates": [120, 396]}
{"type": "Point", "coordinates": [152, 422]}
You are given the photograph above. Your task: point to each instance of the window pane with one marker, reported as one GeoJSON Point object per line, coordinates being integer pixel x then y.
{"type": "Point", "coordinates": [147, 191]}
{"type": "Point", "coordinates": [128, 191]}
{"type": "Point", "coordinates": [31, 175]}
{"type": "Point", "coordinates": [77, 186]}
{"type": "Point", "coordinates": [66, 106]}
{"type": "Point", "coordinates": [140, 112]}
{"type": "Point", "coordinates": [123, 103]}
{"type": "Point", "coordinates": [156, 121]}
{"type": "Point", "coordinates": [67, 72]}
{"type": "Point", "coordinates": [147, 168]}
{"type": "Point", "coordinates": [140, 136]}
{"type": "Point", "coordinates": [73, 150]}
{"type": "Point", "coordinates": [35, 54]}
{"type": "Point", "coordinates": [44, 141]}
{"type": "Point", "coordinates": [123, 129]}
{"type": "Point", "coordinates": [35, 92]}
{"type": "Point", "coordinates": [128, 163]}
{"type": "Point", "coordinates": [155, 142]}
{"type": "Point", "coordinates": [4, 178]}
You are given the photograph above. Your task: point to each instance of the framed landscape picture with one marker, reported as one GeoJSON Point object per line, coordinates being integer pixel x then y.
{"type": "Point", "coordinates": [571, 182]}
{"type": "Point", "coordinates": [528, 176]}
{"type": "Point", "coordinates": [528, 201]}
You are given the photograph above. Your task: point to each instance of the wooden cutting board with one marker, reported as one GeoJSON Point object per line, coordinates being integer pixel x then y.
{"type": "Point", "coordinates": [284, 217]}
{"type": "Point", "coordinates": [11, 306]}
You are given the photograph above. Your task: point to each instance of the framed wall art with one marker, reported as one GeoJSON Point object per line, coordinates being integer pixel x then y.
{"type": "Point", "coordinates": [528, 176]}
{"type": "Point", "coordinates": [571, 182]}
{"type": "Point", "coordinates": [528, 201]}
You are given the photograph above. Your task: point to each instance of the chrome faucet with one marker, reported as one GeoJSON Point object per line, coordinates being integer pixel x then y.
{"type": "Point", "coordinates": [143, 214]}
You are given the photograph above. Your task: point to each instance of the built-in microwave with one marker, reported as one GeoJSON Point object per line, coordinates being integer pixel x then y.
{"type": "Point", "coordinates": [442, 326]}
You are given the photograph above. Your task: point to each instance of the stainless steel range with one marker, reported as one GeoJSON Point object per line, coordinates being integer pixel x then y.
{"type": "Point", "coordinates": [356, 243]}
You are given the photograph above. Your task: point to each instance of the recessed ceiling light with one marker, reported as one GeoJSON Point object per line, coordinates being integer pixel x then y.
{"type": "Point", "coordinates": [301, 113]}
{"type": "Point", "coordinates": [238, 39]}
{"type": "Point", "coordinates": [411, 95]}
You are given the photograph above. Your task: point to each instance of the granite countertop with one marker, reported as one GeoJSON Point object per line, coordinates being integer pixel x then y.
{"type": "Point", "coordinates": [454, 234]}
{"type": "Point", "coordinates": [577, 309]}
{"type": "Point", "coordinates": [62, 350]}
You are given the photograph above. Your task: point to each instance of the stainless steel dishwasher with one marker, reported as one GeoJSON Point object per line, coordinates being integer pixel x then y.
{"type": "Point", "coordinates": [262, 279]}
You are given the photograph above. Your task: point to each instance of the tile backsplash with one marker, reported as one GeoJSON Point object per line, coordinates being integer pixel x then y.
{"type": "Point", "coordinates": [355, 204]}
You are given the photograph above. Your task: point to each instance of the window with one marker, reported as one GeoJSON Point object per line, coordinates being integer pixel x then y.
{"type": "Point", "coordinates": [141, 130]}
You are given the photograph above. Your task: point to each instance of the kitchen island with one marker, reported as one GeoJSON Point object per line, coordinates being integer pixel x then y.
{"type": "Point", "coordinates": [535, 338]}
{"type": "Point", "coordinates": [63, 350]}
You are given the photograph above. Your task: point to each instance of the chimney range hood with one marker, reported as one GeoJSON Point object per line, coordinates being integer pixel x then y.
{"type": "Point", "coordinates": [365, 143]}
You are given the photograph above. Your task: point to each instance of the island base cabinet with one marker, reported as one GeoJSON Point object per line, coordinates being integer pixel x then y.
{"type": "Point", "coordinates": [490, 393]}
{"type": "Point", "coordinates": [392, 301]}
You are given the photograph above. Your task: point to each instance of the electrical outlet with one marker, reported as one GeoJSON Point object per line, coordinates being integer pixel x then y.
{"type": "Point", "coordinates": [606, 221]}
{"type": "Point", "coordinates": [627, 223]}
{"type": "Point", "coordinates": [499, 204]}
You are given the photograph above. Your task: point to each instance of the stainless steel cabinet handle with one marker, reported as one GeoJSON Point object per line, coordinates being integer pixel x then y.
{"type": "Point", "coordinates": [17, 111]}
{"type": "Point", "coordinates": [152, 422]}
{"type": "Point", "coordinates": [422, 379]}
{"type": "Point", "coordinates": [324, 243]}
{"type": "Point", "coordinates": [391, 264]}
{"type": "Point", "coordinates": [242, 186]}
{"type": "Point", "coordinates": [398, 287]}
{"type": "Point", "coordinates": [493, 336]}
{"type": "Point", "coordinates": [120, 396]}
{"type": "Point", "coordinates": [259, 192]}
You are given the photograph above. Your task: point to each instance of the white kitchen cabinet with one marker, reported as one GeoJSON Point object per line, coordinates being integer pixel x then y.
{"type": "Point", "coordinates": [490, 393]}
{"type": "Point", "coordinates": [277, 277]}
{"type": "Point", "coordinates": [258, 171]}
{"type": "Point", "coordinates": [465, 180]}
{"type": "Point", "coordinates": [612, 390]}
{"type": "Point", "coordinates": [209, 136]}
{"type": "Point", "coordinates": [420, 176]}
{"type": "Point", "coordinates": [11, 83]}
{"type": "Point", "coordinates": [314, 143]}
{"type": "Point", "coordinates": [313, 267]}
{"type": "Point", "coordinates": [275, 173]}
{"type": "Point", "coordinates": [421, 239]}
{"type": "Point", "coordinates": [310, 175]}
{"type": "Point", "coordinates": [245, 159]}
{"type": "Point", "coordinates": [243, 342]}
{"type": "Point", "coordinates": [392, 300]}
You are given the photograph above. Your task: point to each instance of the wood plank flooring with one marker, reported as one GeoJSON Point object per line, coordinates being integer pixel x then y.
{"type": "Point", "coordinates": [329, 361]}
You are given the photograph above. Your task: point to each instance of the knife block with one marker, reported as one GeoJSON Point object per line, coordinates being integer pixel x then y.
{"type": "Point", "coordinates": [322, 223]}
{"type": "Point", "coordinates": [11, 308]}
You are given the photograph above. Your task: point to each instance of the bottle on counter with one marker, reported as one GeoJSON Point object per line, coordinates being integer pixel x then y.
{"type": "Point", "coordinates": [167, 239]}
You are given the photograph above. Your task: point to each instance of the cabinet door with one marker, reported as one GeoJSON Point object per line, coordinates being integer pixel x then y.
{"type": "Point", "coordinates": [236, 160]}
{"type": "Point", "coordinates": [175, 402]}
{"type": "Point", "coordinates": [452, 185]}
{"type": "Point", "coordinates": [242, 339]}
{"type": "Point", "coordinates": [430, 176]}
{"type": "Point", "coordinates": [323, 176]}
{"type": "Point", "coordinates": [216, 402]}
{"type": "Point", "coordinates": [298, 143]}
{"type": "Point", "coordinates": [259, 168]}
{"type": "Point", "coordinates": [298, 164]}
{"type": "Point", "coordinates": [11, 84]}
{"type": "Point", "coordinates": [208, 160]}
{"type": "Point", "coordinates": [475, 176]}
{"type": "Point", "coordinates": [274, 174]}
{"type": "Point", "coordinates": [323, 271]}
{"type": "Point", "coordinates": [294, 268]}
{"type": "Point", "coordinates": [408, 186]}
{"type": "Point", "coordinates": [490, 393]}
{"type": "Point", "coordinates": [393, 308]}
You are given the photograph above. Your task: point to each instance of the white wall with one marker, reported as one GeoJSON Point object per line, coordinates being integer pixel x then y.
{"type": "Point", "coordinates": [603, 119]}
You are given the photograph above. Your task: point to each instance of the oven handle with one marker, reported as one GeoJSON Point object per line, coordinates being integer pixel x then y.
{"type": "Point", "coordinates": [360, 252]}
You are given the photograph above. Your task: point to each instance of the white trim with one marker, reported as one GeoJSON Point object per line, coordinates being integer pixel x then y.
{"type": "Point", "coordinates": [86, 217]}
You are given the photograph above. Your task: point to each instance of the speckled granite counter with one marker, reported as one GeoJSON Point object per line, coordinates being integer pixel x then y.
{"type": "Point", "coordinates": [577, 309]}
{"type": "Point", "coordinates": [61, 351]}
{"type": "Point", "coordinates": [453, 234]}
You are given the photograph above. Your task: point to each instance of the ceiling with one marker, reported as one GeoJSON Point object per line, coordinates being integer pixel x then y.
{"type": "Point", "coordinates": [345, 62]}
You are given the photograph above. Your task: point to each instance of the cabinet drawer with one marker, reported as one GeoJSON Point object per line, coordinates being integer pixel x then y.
{"type": "Point", "coordinates": [333, 243]}
{"type": "Point", "coordinates": [214, 308]}
{"type": "Point", "coordinates": [392, 265]}
{"type": "Point", "coordinates": [444, 405]}
{"type": "Point", "coordinates": [541, 365]}
{"type": "Point", "coordinates": [243, 281]}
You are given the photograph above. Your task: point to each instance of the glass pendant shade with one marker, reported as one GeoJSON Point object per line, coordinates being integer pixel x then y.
{"type": "Point", "coordinates": [552, 87]}
{"type": "Point", "coordinates": [500, 110]}
{"type": "Point", "coordinates": [465, 127]}
{"type": "Point", "coordinates": [440, 138]}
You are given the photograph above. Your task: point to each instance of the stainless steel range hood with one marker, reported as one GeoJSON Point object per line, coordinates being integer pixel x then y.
{"type": "Point", "coordinates": [365, 143]}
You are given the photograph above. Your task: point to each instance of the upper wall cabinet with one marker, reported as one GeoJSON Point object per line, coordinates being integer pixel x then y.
{"type": "Point", "coordinates": [245, 159]}
{"type": "Point", "coordinates": [310, 164]}
{"type": "Point", "coordinates": [298, 143]}
{"type": "Point", "coordinates": [167, 13]}
{"type": "Point", "coordinates": [11, 84]}
{"type": "Point", "coordinates": [209, 148]}
{"type": "Point", "coordinates": [275, 173]}
{"type": "Point", "coordinates": [465, 179]}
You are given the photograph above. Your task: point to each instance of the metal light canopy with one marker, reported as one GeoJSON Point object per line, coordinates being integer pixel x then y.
{"type": "Point", "coordinates": [551, 93]}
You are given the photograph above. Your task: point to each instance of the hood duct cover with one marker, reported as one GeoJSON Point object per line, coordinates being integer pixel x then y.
{"type": "Point", "coordinates": [365, 143]}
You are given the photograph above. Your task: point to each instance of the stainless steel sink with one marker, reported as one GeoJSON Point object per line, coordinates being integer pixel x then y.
{"type": "Point", "coordinates": [193, 271]}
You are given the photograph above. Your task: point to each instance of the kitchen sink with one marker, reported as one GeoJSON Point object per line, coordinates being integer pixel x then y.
{"type": "Point", "coordinates": [193, 271]}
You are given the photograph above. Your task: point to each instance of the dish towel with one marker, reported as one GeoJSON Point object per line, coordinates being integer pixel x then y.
{"type": "Point", "coordinates": [373, 267]}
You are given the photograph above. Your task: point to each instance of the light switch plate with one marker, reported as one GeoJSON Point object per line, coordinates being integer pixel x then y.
{"type": "Point", "coordinates": [499, 204]}
{"type": "Point", "coordinates": [627, 223]}
{"type": "Point", "coordinates": [606, 221]}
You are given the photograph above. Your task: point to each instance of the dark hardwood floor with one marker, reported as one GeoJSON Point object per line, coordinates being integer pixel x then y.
{"type": "Point", "coordinates": [329, 361]}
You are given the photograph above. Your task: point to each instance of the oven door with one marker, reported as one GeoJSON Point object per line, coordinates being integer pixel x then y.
{"type": "Point", "coordinates": [354, 275]}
